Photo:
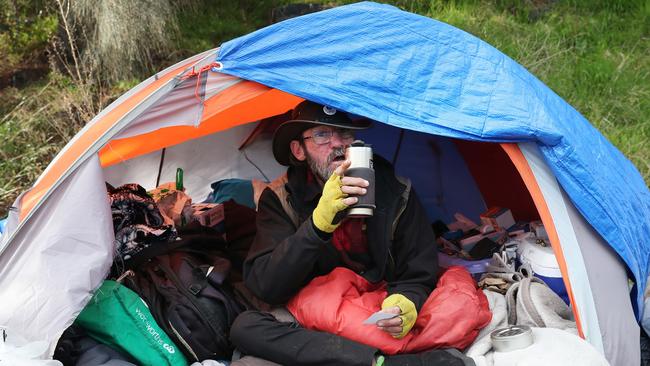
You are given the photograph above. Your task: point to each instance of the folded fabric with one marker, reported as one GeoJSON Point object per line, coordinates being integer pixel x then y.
{"type": "Point", "coordinates": [450, 318]}
{"type": "Point", "coordinates": [483, 342]}
{"type": "Point", "coordinates": [550, 347]}
{"type": "Point", "coordinates": [528, 302]}
{"type": "Point", "coordinates": [531, 302]}
{"type": "Point", "coordinates": [240, 190]}
{"type": "Point", "coordinates": [501, 274]}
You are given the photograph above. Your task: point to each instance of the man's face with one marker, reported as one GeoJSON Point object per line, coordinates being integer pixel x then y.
{"type": "Point", "coordinates": [324, 149]}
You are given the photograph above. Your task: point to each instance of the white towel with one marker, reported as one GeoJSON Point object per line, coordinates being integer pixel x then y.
{"type": "Point", "coordinates": [551, 347]}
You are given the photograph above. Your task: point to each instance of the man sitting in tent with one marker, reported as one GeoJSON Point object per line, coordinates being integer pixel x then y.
{"type": "Point", "coordinates": [300, 236]}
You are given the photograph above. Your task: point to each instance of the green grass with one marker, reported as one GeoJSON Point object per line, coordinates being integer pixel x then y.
{"type": "Point", "coordinates": [217, 22]}
{"type": "Point", "coordinates": [36, 122]}
{"type": "Point", "coordinates": [29, 139]}
{"type": "Point", "coordinates": [595, 54]}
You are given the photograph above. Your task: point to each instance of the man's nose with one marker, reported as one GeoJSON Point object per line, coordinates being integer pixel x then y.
{"type": "Point", "coordinates": [336, 140]}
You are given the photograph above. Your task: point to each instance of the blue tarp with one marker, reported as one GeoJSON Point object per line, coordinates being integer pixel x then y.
{"type": "Point", "coordinates": [417, 73]}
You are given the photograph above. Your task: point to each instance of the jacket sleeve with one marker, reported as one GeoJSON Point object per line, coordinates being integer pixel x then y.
{"type": "Point", "coordinates": [282, 258]}
{"type": "Point", "coordinates": [414, 254]}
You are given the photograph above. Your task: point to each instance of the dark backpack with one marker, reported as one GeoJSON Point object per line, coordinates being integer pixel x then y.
{"type": "Point", "coordinates": [184, 284]}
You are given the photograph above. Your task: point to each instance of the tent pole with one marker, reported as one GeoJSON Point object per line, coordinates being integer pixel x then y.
{"type": "Point", "coordinates": [162, 160]}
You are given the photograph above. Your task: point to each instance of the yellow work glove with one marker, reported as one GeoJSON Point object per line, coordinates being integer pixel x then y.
{"type": "Point", "coordinates": [330, 203]}
{"type": "Point", "coordinates": [408, 315]}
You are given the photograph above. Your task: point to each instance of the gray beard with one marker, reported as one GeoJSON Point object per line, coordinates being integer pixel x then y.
{"type": "Point", "coordinates": [323, 171]}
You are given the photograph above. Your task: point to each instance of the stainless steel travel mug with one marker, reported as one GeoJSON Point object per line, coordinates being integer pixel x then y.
{"type": "Point", "coordinates": [360, 156]}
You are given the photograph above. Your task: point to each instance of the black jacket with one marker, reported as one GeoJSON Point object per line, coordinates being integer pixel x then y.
{"type": "Point", "coordinates": [284, 258]}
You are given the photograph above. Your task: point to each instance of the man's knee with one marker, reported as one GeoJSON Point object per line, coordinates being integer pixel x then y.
{"type": "Point", "coordinates": [245, 325]}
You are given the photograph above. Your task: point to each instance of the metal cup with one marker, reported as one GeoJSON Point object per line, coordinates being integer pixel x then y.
{"type": "Point", "coordinates": [511, 338]}
{"type": "Point", "coordinates": [360, 156]}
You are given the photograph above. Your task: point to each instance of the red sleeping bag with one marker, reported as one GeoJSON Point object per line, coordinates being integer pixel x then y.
{"type": "Point", "coordinates": [340, 301]}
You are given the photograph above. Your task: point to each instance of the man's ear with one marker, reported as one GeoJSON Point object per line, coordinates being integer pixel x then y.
{"type": "Point", "coordinates": [297, 150]}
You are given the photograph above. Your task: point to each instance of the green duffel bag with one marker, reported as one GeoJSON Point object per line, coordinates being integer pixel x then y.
{"type": "Point", "coordinates": [117, 317]}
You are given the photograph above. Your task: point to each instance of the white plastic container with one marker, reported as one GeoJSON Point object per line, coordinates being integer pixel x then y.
{"type": "Point", "coordinates": [541, 258]}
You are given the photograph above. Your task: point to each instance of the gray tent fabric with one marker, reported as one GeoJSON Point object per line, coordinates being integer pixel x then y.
{"type": "Point", "coordinates": [597, 276]}
{"type": "Point", "coordinates": [180, 106]}
{"type": "Point", "coordinates": [43, 284]}
{"type": "Point", "coordinates": [608, 276]}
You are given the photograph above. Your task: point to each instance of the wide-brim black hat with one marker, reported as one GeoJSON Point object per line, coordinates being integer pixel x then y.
{"type": "Point", "coordinates": [305, 116]}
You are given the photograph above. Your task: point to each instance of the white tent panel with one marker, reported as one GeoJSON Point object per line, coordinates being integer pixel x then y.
{"type": "Point", "coordinates": [49, 272]}
{"type": "Point", "coordinates": [203, 160]}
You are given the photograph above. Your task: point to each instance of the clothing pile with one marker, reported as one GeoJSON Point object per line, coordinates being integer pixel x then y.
{"type": "Point", "coordinates": [524, 245]}
{"type": "Point", "coordinates": [468, 240]}
{"type": "Point", "coordinates": [515, 266]}
{"type": "Point", "coordinates": [136, 220]}
{"type": "Point", "coordinates": [517, 298]}
{"type": "Point", "coordinates": [171, 295]}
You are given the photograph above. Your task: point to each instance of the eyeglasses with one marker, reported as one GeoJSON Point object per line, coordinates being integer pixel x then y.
{"type": "Point", "coordinates": [324, 136]}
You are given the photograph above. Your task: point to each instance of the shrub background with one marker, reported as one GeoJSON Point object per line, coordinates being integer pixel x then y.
{"type": "Point", "coordinates": [62, 61]}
